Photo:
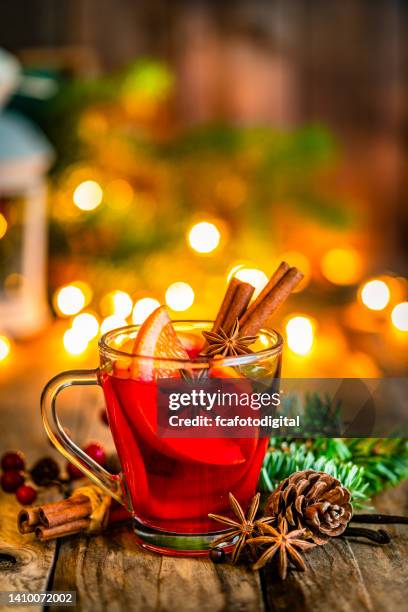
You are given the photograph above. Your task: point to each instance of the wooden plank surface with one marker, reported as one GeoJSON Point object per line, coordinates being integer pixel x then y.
{"type": "Point", "coordinates": [350, 575]}
{"type": "Point", "coordinates": [111, 572]}
{"type": "Point", "coordinates": [25, 563]}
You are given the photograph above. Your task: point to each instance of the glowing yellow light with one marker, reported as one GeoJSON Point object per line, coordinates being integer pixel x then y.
{"type": "Point", "coordinates": [86, 324]}
{"type": "Point", "coordinates": [234, 271]}
{"type": "Point", "coordinates": [3, 225]}
{"type": "Point", "coordinates": [119, 194]}
{"type": "Point", "coordinates": [118, 303]}
{"type": "Point", "coordinates": [204, 237]}
{"type": "Point", "coordinates": [179, 296]}
{"type": "Point", "coordinates": [70, 300]}
{"type": "Point", "coordinates": [399, 316]}
{"type": "Point", "coordinates": [300, 335]}
{"type": "Point", "coordinates": [122, 304]}
{"type": "Point", "coordinates": [4, 347]}
{"type": "Point", "coordinates": [112, 322]}
{"type": "Point", "coordinates": [75, 342]}
{"type": "Point", "coordinates": [143, 308]}
{"type": "Point", "coordinates": [254, 277]}
{"type": "Point", "coordinates": [375, 295]}
{"type": "Point", "coordinates": [88, 195]}
{"type": "Point", "coordinates": [342, 266]}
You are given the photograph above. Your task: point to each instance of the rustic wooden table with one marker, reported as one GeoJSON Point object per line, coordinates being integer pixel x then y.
{"type": "Point", "coordinates": [111, 572]}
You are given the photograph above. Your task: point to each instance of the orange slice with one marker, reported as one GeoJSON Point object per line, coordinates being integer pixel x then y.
{"type": "Point", "coordinates": [157, 339]}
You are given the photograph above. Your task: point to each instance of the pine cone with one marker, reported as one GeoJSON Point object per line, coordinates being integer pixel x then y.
{"type": "Point", "coordinates": [312, 500]}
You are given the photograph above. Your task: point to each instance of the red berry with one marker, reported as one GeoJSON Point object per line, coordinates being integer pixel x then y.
{"type": "Point", "coordinates": [26, 495]}
{"type": "Point", "coordinates": [96, 452]}
{"type": "Point", "coordinates": [73, 472]}
{"type": "Point", "coordinates": [11, 480]}
{"type": "Point", "coordinates": [13, 460]}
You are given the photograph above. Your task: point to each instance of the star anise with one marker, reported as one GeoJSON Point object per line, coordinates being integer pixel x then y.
{"type": "Point", "coordinates": [194, 376]}
{"type": "Point", "coordinates": [243, 527]}
{"type": "Point", "coordinates": [288, 544]}
{"type": "Point", "coordinates": [232, 344]}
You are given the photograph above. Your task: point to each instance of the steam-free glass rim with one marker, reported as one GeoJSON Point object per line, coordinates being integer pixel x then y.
{"type": "Point", "coordinates": [106, 348]}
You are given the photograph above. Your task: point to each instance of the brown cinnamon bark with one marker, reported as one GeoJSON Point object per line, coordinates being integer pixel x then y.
{"type": "Point", "coordinates": [28, 519]}
{"type": "Point", "coordinates": [226, 304]}
{"type": "Point", "coordinates": [239, 304]}
{"type": "Point", "coordinates": [60, 513]}
{"type": "Point", "coordinates": [47, 533]}
{"type": "Point", "coordinates": [275, 278]}
{"type": "Point", "coordinates": [276, 296]}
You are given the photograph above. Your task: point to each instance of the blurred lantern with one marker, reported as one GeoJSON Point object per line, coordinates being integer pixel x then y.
{"type": "Point", "coordinates": [25, 157]}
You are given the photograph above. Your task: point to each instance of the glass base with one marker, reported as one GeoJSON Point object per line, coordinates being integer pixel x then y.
{"type": "Point", "coordinates": [175, 544]}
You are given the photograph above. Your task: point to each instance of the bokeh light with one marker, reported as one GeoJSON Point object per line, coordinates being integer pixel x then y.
{"type": "Point", "coordinates": [342, 266]}
{"type": "Point", "coordinates": [300, 261]}
{"type": "Point", "coordinates": [86, 324]}
{"type": "Point", "coordinates": [300, 334]}
{"type": "Point", "coordinates": [112, 322]}
{"type": "Point", "coordinates": [254, 277]}
{"type": "Point", "coordinates": [399, 316]}
{"type": "Point", "coordinates": [4, 347]}
{"type": "Point", "coordinates": [88, 195]}
{"type": "Point", "coordinates": [117, 303]}
{"type": "Point", "coordinates": [179, 296]}
{"type": "Point", "coordinates": [204, 237]}
{"type": "Point", "coordinates": [74, 341]}
{"type": "Point", "coordinates": [3, 226]}
{"type": "Point", "coordinates": [375, 294]}
{"type": "Point", "coordinates": [119, 194]}
{"type": "Point", "coordinates": [69, 300]}
{"type": "Point", "coordinates": [143, 308]}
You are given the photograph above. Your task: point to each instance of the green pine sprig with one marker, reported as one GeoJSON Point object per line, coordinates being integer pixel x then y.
{"type": "Point", "coordinates": [283, 458]}
{"type": "Point", "coordinates": [366, 466]}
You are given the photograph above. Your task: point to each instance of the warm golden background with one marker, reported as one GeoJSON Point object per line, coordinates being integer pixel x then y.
{"type": "Point", "coordinates": [195, 140]}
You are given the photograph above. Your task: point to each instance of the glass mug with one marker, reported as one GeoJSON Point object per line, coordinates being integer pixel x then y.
{"type": "Point", "coordinates": [168, 484]}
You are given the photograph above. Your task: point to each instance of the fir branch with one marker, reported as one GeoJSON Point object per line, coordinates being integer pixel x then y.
{"type": "Point", "coordinates": [283, 458]}
{"type": "Point", "coordinates": [385, 460]}
{"type": "Point", "coordinates": [365, 466]}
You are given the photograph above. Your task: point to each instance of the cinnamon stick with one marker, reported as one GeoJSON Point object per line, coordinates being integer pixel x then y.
{"type": "Point", "coordinates": [275, 278]}
{"type": "Point", "coordinates": [276, 296]}
{"type": "Point", "coordinates": [85, 510]}
{"type": "Point", "coordinates": [226, 303]}
{"type": "Point", "coordinates": [66, 511]}
{"type": "Point", "coordinates": [47, 533]}
{"type": "Point", "coordinates": [241, 299]}
{"type": "Point", "coordinates": [28, 519]}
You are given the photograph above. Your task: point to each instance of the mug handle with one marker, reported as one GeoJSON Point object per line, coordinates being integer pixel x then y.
{"type": "Point", "coordinates": [63, 443]}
